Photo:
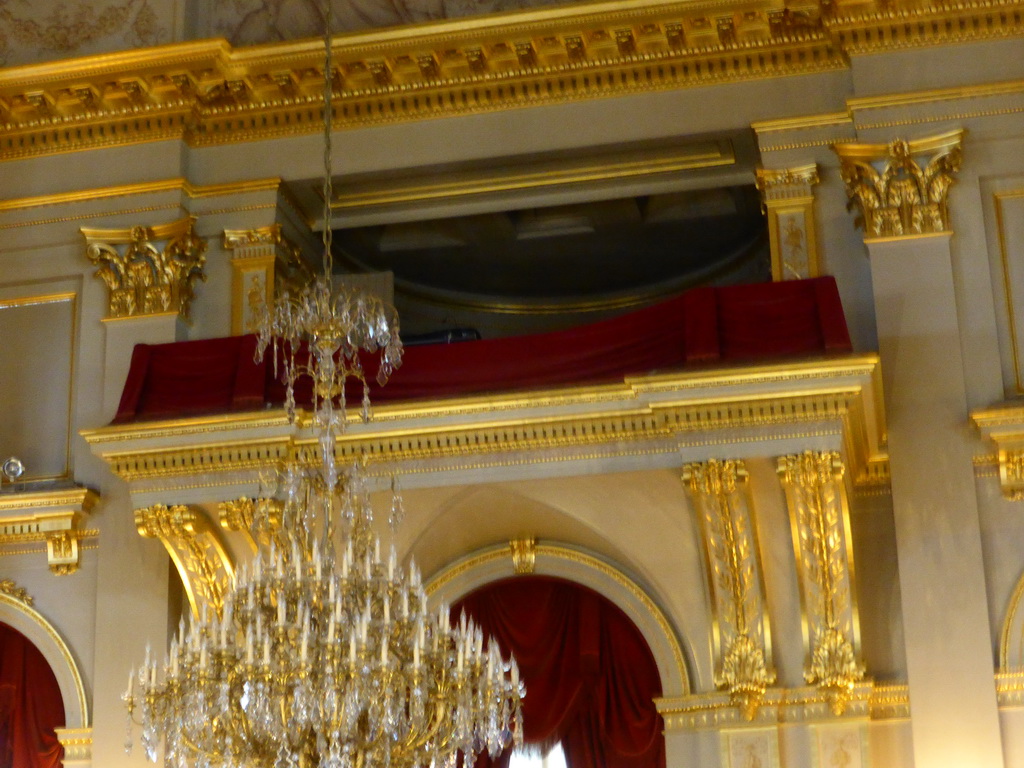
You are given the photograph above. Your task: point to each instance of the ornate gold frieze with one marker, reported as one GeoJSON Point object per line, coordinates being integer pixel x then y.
{"type": "Point", "coordinates": [9, 588]}
{"type": "Point", "coordinates": [196, 549]}
{"type": "Point", "coordinates": [895, 194]}
{"type": "Point", "coordinates": [258, 519]}
{"type": "Point", "coordinates": [524, 555]}
{"type": "Point", "coordinates": [263, 262]}
{"type": "Point", "coordinates": [144, 279]}
{"type": "Point", "coordinates": [788, 199]}
{"type": "Point", "coordinates": [53, 517]}
{"type": "Point", "coordinates": [819, 516]}
{"type": "Point", "coordinates": [742, 636]}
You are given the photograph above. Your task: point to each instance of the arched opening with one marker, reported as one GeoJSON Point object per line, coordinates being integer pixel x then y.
{"type": "Point", "coordinates": [31, 705]}
{"type": "Point", "coordinates": [591, 678]}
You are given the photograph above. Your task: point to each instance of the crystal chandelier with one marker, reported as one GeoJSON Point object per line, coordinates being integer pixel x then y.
{"type": "Point", "coordinates": [326, 654]}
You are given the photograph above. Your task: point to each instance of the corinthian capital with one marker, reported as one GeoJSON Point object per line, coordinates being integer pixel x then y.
{"type": "Point", "coordinates": [902, 187]}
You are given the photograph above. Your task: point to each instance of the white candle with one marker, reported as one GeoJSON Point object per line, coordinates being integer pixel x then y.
{"type": "Point", "coordinates": [248, 645]}
{"type": "Point", "coordinates": [280, 611]}
{"type": "Point", "coordinates": [303, 653]}
{"type": "Point", "coordinates": [387, 610]}
{"type": "Point", "coordinates": [376, 551]}
{"type": "Point", "coordinates": [405, 604]}
{"type": "Point", "coordinates": [352, 647]}
{"type": "Point", "coordinates": [384, 652]}
{"type": "Point", "coordinates": [416, 655]}
{"type": "Point", "coordinates": [460, 659]}
{"type": "Point", "coordinates": [266, 651]}
{"type": "Point", "coordinates": [330, 589]}
{"type": "Point", "coordinates": [131, 684]}
{"type": "Point", "coordinates": [391, 564]}
{"type": "Point", "coordinates": [330, 632]}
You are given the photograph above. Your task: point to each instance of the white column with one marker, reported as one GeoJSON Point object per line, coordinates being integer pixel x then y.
{"type": "Point", "coordinates": [954, 715]}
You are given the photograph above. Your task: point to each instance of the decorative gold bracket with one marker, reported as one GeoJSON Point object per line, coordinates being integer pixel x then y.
{"type": "Point", "coordinates": [742, 634]}
{"type": "Point", "coordinates": [264, 261]}
{"type": "Point", "coordinates": [788, 199]}
{"type": "Point", "coordinates": [897, 197]}
{"type": "Point", "coordinates": [259, 520]}
{"type": "Point", "coordinates": [820, 521]}
{"type": "Point", "coordinates": [524, 555]}
{"type": "Point", "coordinates": [53, 517]}
{"type": "Point", "coordinates": [196, 549]}
{"type": "Point", "coordinates": [142, 278]}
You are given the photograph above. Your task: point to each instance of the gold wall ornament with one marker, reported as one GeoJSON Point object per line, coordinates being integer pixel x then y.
{"type": "Point", "coordinates": [196, 549]}
{"type": "Point", "coordinates": [898, 196]}
{"type": "Point", "coordinates": [50, 517]}
{"type": "Point", "coordinates": [259, 520]}
{"type": "Point", "coordinates": [820, 522]}
{"type": "Point", "coordinates": [144, 279]}
{"type": "Point", "coordinates": [8, 587]}
{"type": "Point", "coordinates": [263, 263]}
{"type": "Point", "coordinates": [524, 555]}
{"type": "Point", "coordinates": [742, 636]}
{"type": "Point", "coordinates": [788, 199]}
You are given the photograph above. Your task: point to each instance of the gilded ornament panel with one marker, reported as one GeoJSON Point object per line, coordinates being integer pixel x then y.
{"type": "Point", "coordinates": [819, 517]}
{"type": "Point", "coordinates": [742, 636]}
{"type": "Point", "coordinates": [788, 200]}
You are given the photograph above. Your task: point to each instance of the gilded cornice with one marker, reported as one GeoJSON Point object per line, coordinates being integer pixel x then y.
{"type": "Point", "coordinates": [1003, 425]}
{"type": "Point", "coordinates": [52, 517]}
{"type": "Point", "coordinates": [207, 92]}
{"type": "Point", "coordinates": [659, 413]}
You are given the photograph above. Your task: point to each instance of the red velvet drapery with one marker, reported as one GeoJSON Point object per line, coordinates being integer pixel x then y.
{"type": "Point", "coordinates": [590, 678]}
{"type": "Point", "coordinates": [737, 323]}
{"type": "Point", "coordinates": [30, 705]}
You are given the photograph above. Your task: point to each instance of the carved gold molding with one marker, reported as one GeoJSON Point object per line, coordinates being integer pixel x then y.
{"type": "Point", "coordinates": [524, 555]}
{"type": "Point", "coordinates": [53, 517]}
{"type": "Point", "coordinates": [263, 262]}
{"type": "Point", "coordinates": [196, 549]}
{"type": "Point", "coordinates": [788, 199]}
{"type": "Point", "coordinates": [896, 195]}
{"type": "Point", "coordinates": [742, 636]}
{"type": "Point", "coordinates": [714, 711]}
{"type": "Point", "coordinates": [9, 588]}
{"type": "Point", "coordinates": [819, 516]}
{"type": "Point", "coordinates": [142, 278]}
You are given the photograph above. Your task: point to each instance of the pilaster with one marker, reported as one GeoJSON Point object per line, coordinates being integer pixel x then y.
{"type": "Point", "coordinates": [788, 199]}
{"type": "Point", "coordinates": [901, 189]}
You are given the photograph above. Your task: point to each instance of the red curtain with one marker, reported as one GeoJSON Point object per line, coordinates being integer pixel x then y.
{"type": "Point", "coordinates": [590, 678]}
{"type": "Point", "coordinates": [700, 327]}
{"type": "Point", "coordinates": [30, 705]}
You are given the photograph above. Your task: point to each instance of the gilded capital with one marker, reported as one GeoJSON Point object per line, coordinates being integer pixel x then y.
{"type": "Point", "coordinates": [901, 188]}
{"type": "Point", "coordinates": [148, 270]}
{"type": "Point", "coordinates": [742, 637]}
